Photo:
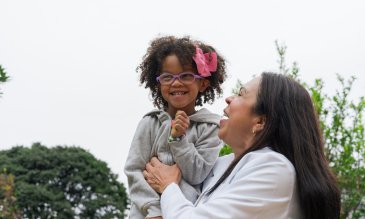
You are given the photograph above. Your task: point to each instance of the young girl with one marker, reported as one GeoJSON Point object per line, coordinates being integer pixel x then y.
{"type": "Point", "coordinates": [181, 74]}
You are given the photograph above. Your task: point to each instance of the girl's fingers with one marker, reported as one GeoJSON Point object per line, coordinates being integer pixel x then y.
{"type": "Point", "coordinates": [182, 123]}
{"type": "Point", "coordinates": [180, 130]}
{"type": "Point", "coordinates": [182, 119]}
{"type": "Point", "coordinates": [181, 113]}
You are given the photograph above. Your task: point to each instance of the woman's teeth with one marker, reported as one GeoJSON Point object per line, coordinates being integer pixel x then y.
{"type": "Point", "coordinates": [224, 116]}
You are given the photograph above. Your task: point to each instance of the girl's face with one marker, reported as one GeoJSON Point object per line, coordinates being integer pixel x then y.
{"type": "Point", "coordinates": [180, 96]}
{"type": "Point", "coordinates": [237, 129]}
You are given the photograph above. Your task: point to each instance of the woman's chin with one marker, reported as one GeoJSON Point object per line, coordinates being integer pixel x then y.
{"type": "Point", "coordinates": [221, 135]}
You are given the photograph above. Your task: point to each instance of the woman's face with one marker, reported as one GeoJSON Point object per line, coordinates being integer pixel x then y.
{"type": "Point", "coordinates": [237, 129]}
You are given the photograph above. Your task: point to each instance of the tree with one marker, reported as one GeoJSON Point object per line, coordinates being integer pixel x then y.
{"type": "Point", "coordinates": [342, 124]}
{"type": "Point", "coordinates": [3, 77]}
{"type": "Point", "coordinates": [8, 206]}
{"type": "Point", "coordinates": [63, 182]}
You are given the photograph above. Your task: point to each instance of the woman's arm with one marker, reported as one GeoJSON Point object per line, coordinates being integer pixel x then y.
{"type": "Point", "coordinates": [261, 186]}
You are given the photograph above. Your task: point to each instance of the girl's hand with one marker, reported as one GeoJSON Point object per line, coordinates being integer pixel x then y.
{"type": "Point", "coordinates": [180, 124]}
{"type": "Point", "coordinates": [160, 175]}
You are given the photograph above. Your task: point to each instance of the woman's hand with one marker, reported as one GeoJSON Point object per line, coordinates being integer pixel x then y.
{"type": "Point", "coordinates": [160, 175]}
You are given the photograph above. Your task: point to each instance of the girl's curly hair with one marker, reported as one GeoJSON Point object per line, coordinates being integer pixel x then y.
{"type": "Point", "coordinates": [184, 49]}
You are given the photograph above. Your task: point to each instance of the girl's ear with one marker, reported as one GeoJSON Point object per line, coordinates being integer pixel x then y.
{"type": "Point", "coordinates": [204, 83]}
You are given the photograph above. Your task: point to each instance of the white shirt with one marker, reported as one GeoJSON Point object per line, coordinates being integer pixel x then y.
{"type": "Point", "coordinates": [261, 186]}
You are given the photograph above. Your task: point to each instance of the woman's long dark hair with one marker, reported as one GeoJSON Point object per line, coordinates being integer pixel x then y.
{"type": "Point", "coordinates": [292, 129]}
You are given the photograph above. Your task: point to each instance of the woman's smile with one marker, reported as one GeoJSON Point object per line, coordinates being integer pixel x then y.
{"type": "Point", "coordinates": [224, 119]}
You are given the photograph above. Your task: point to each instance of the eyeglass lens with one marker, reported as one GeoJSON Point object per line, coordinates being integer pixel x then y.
{"type": "Point", "coordinates": [185, 77]}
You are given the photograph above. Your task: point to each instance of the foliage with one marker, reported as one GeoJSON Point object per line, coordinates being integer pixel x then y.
{"type": "Point", "coordinates": [63, 182]}
{"type": "Point", "coordinates": [342, 124]}
{"type": "Point", "coordinates": [8, 205]}
{"type": "Point", "coordinates": [225, 150]}
{"type": "Point", "coordinates": [237, 88]}
{"type": "Point", "coordinates": [3, 76]}
{"type": "Point", "coordinates": [343, 127]}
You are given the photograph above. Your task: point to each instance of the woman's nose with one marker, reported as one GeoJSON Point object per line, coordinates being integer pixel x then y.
{"type": "Point", "coordinates": [229, 99]}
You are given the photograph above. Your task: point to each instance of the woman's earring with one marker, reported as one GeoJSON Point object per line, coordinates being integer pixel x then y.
{"type": "Point", "coordinates": [253, 131]}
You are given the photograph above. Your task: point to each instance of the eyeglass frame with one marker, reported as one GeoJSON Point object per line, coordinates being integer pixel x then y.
{"type": "Point", "coordinates": [174, 77]}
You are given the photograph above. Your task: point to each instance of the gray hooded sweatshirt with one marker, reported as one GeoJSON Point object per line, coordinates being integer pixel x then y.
{"type": "Point", "coordinates": [195, 155]}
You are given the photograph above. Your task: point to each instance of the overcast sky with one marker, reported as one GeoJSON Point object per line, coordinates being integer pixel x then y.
{"type": "Point", "coordinates": [72, 62]}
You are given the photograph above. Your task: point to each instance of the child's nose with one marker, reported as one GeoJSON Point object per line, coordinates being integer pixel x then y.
{"type": "Point", "coordinates": [176, 82]}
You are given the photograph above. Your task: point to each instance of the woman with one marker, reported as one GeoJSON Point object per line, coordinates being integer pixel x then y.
{"type": "Point", "coordinates": [277, 169]}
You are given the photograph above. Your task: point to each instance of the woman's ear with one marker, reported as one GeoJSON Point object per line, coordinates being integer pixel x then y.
{"type": "Point", "coordinates": [260, 123]}
{"type": "Point", "coordinates": [204, 83]}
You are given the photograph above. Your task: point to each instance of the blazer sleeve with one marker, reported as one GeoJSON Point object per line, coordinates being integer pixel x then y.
{"type": "Point", "coordinates": [196, 160]}
{"type": "Point", "coordinates": [140, 192]}
{"type": "Point", "coordinates": [261, 189]}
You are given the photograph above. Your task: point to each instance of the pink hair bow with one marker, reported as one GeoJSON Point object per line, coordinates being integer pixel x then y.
{"type": "Point", "coordinates": [206, 62]}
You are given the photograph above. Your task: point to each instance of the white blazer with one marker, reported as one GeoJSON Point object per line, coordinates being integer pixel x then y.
{"type": "Point", "coordinates": [261, 186]}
